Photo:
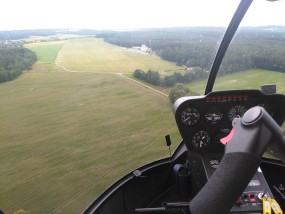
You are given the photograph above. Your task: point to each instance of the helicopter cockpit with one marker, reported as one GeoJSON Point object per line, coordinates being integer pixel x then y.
{"type": "Point", "coordinates": [218, 168]}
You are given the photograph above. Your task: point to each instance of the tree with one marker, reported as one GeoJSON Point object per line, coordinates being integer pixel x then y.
{"type": "Point", "coordinates": [152, 77]}
{"type": "Point", "coordinates": [178, 77]}
{"type": "Point", "coordinates": [179, 90]}
{"type": "Point", "coordinates": [169, 81]}
{"type": "Point", "coordinates": [140, 74]}
{"type": "Point", "coordinates": [13, 61]}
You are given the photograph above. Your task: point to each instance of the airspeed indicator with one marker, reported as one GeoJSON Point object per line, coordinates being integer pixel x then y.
{"type": "Point", "coordinates": [190, 116]}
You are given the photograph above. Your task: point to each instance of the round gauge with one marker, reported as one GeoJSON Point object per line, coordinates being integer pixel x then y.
{"type": "Point", "coordinates": [236, 112]}
{"type": "Point", "coordinates": [214, 115]}
{"type": "Point", "coordinates": [214, 163]}
{"type": "Point", "coordinates": [190, 116]}
{"type": "Point", "coordinates": [201, 139]}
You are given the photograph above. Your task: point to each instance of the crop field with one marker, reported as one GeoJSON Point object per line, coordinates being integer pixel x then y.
{"type": "Point", "coordinates": [95, 55]}
{"type": "Point", "coordinates": [66, 136]}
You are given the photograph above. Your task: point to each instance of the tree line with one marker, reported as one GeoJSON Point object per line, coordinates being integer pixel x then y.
{"type": "Point", "coordinates": [253, 47]}
{"type": "Point", "coordinates": [13, 61]}
{"type": "Point", "coordinates": [154, 78]}
{"type": "Point", "coordinates": [177, 80]}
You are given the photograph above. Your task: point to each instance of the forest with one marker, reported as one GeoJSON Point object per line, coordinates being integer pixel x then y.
{"type": "Point", "coordinates": [253, 47]}
{"type": "Point", "coordinates": [13, 61]}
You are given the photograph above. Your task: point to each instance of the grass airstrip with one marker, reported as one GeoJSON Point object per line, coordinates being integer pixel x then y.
{"type": "Point", "coordinates": [46, 51]}
{"type": "Point", "coordinates": [95, 55]}
{"type": "Point", "coordinates": [66, 136]}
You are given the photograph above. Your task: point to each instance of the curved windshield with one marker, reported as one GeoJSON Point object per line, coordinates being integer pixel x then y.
{"type": "Point", "coordinates": [256, 55]}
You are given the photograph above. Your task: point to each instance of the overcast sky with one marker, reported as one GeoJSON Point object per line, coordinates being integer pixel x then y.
{"type": "Point", "coordinates": [126, 14]}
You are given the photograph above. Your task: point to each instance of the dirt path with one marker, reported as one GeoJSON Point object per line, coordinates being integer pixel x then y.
{"type": "Point", "coordinates": [146, 86]}
{"type": "Point", "coordinates": [59, 62]}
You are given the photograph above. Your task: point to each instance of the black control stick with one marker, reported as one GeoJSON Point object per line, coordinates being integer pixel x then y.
{"type": "Point", "coordinates": [252, 134]}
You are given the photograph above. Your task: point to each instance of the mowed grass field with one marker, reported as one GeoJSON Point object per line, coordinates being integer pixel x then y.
{"type": "Point", "coordinates": [46, 51]}
{"type": "Point", "coordinates": [67, 136]}
{"type": "Point", "coordinates": [95, 55]}
{"type": "Point", "coordinates": [249, 79]}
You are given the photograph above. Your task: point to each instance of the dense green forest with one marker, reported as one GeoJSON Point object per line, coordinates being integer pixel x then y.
{"type": "Point", "coordinates": [13, 61]}
{"type": "Point", "coordinates": [253, 47]}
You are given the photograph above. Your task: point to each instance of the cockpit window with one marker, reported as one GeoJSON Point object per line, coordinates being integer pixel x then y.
{"type": "Point", "coordinates": [74, 117]}
{"type": "Point", "coordinates": [256, 55]}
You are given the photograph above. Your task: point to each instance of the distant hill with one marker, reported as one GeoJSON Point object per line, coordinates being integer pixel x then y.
{"type": "Point", "coordinates": [23, 34]}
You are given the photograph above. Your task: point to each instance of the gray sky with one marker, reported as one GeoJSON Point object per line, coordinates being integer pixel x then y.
{"type": "Point", "coordinates": [125, 14]}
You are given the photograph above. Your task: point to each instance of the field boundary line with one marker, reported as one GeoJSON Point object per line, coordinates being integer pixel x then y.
{"type": "Point", "coordinates": [120, 74]}
{"type": "Point", "coordinates": [142, 84]}
{"type": "Point", "coordinates": [59, 62]}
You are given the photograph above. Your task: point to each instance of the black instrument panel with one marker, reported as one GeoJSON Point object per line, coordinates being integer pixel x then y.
{"type": "Point", "coordinates": [204, 120]}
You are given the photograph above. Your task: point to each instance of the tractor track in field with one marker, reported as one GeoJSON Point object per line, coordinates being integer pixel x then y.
{"type": "Point", "coordinates": [70, 171]}
{"type": "Point", "coordinates": [142, 84]}
{"type": "Point", "coordinates": [92, 183]}
{"type": "Point", "coordinates": [42, 170]}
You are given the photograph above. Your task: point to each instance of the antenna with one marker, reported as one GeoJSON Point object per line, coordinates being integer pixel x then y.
{"type": "Point", "coordinates": [268, 89]}
{"type": "Point", "coordinates": [168, 143]}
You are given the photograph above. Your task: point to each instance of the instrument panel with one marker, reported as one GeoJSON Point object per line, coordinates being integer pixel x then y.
{"type": "Point", "coordinates": [204, 120]}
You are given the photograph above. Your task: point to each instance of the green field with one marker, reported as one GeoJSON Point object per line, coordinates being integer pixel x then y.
{"type": "Point", "coordinates": [250, 79]}
{"type": "Point", "coordinates": [95, 55]}
{"type": "Point", "coordinates": [46, 51]}
{"type": "Point", "coordinates": [65, 137]}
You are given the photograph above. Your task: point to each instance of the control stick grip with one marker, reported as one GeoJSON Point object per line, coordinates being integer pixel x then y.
{"type": "Point", "coordinates": [226, 184]}
{"type": "Point", "coordinates": [252, 134]}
